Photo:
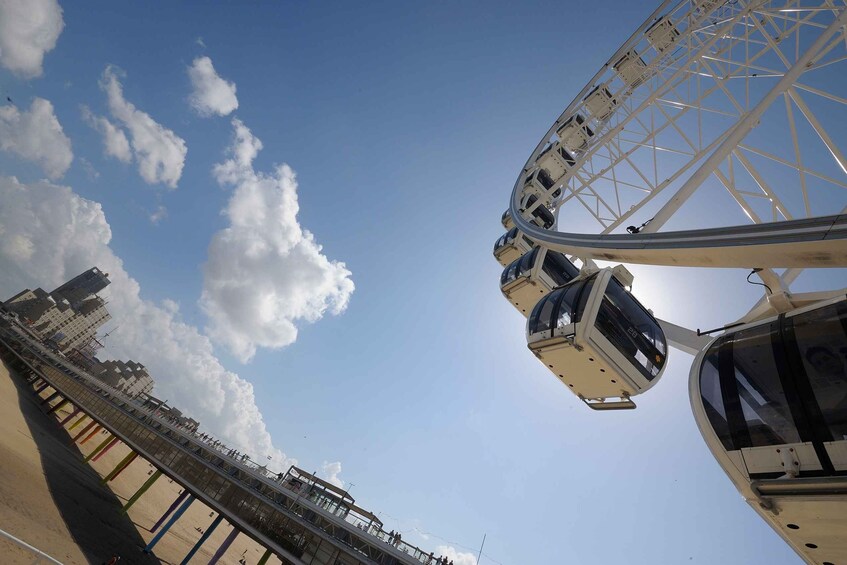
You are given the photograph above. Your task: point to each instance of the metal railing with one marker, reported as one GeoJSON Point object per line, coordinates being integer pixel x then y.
{"type": "Point", "coordinates": [272, 513]}
{"type": "Point", "coordinates": [40, 556]}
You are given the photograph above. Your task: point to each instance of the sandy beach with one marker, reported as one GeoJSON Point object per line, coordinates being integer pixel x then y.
{"type": "Point", "coordinates": [52, 500]}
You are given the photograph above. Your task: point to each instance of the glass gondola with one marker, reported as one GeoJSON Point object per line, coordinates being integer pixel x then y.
{"type": "Point", "coordinates": [534, 275]}
{"type": "Point", "coordinates": [511, 246]}
{"type": "Point", "coordinates": [556, 160]}
{"type": "Point", "coordinates": [541, 216]}
{"type": "Point", "coordinates": [536, 184]}
{"type": "Point", "coordinates": [598, 340]}
{"type": "Point", "coordinates": [770, 399]}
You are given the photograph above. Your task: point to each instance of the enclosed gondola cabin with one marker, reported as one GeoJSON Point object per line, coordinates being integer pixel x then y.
{"type": "Point", "coordinates": [541, 216]}
{"type": "Point", "coordinates": [511, 246]}
{"type": "Point", "coordinates": [534, 275]}
{"type": "Point", "coordinates": [598, 340]}
{"type": "Point", "coordinates": [770, 399]}
{"type": "Point", "coordinates": [538, 184]}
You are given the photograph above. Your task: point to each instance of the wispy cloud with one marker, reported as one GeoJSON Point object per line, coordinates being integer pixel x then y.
{"type": "Point", "coordinates": [115, 143]}
{"type": "Point", "coordinates": [158, 215]}
{"type": "Point", "coordinates": [159, 152]}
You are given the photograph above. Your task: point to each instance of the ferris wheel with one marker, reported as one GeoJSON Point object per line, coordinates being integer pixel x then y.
{"type": "Point", "coordinates": [711, 138]}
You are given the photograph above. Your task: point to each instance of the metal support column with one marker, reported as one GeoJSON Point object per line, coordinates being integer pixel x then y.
{"type": "Point", "coordinates": [93, 433]}
{"type": "Point", "coordinates": [119, 468]}
{"type": "Point", "coordinates": [180, 511]}
{"type": "Point", "coordinates": [59, 406]}
{"type": "Point", "coordinates": [90, 425]}
{"type": "Point", "coordinates": [97, 449]}
{"type": "Point", "coordinates": [78, 422]}
{"type": "Point", "coordinates": [113, 443]}
{"type": "Point", "coordinates": [170, 509]}
{"type": "Point", "coordinates": [50, 398]}
{"type": "Point", "coordinates": [202, 539]}
{"type": "Point", "coordinates": [224, 546]}
{"type": "Point", "coordinates": [265, 556]}
{"type": "Point", "coordinates": [147, 484]}
{"type": "Point", "coordinates": [70, 416]}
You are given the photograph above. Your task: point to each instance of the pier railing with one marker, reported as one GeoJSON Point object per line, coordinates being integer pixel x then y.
{"type": "Point", "coordinates": [296, 529]}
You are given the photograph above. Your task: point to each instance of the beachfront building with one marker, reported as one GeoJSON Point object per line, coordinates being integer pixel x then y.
{"type": "Point", "coordinates": [69, 316]}
{"type": "Point", "coordinates": [129, 377]}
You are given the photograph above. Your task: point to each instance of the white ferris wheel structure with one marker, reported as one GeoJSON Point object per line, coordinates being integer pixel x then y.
{"type": "Point", "coordinates": [740, 102]}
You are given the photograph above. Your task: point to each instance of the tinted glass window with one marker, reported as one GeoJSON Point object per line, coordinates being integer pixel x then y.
{"type": "Point", "coordinates": [710, 391]}
{"type": "Point", "coordinates": [763, 403]}
{"type": "Point", "coordinates": [572, 301]}
{"type": "Point", "coordinates": [526, 263]}
{"type": "Point", "coordinates": [822, 338]}
{"type": "Point", "coordinates": [543, 217]}
{"type": "Point", "coordinates": [632, 330]}
{"type": "Point", "coordinates": [558, 268]}
{"type": "Point", "coordinates": [542, 315]}
{"type": "Point", "coordinates": [544, 178]}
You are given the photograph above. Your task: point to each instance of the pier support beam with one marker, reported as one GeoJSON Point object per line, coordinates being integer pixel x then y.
{"type": "Point", "coordinates": [78, 422]}
{"type": "Point", "coordinates": [170, 509]}
{"type": "Point", "coordinates": [224, 546]}
{"type": "Point", "coordinates": [70, 416]}
{"type": "Point", "coordinates": [99, 448]}
{"type": "Point", "coordinates": [59, 406]}
{"type": "Point", "coordinates": [93, 433]}
{"type": "Point", "coordinates": [84, 430]}
{"type": "Point", "coordinates": [202, 539]}
{"type": "Point", "coordinates": [115, 441]}
{"type": "Point", "coordinates": [41, 387]}
{"type": "Point", "coordinates": [119, 468]}
{"type": "Point", "coordinates": [265, 556]}
{"type": "Point", "coordinates": [147, 484]}
{"type": "Point", "coordinates": [179, 512]}
{"type": "Point", "coordinates": [50, 398]}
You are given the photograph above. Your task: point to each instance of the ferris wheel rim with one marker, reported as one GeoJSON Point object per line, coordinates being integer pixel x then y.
{"type": "Point", "coordinates": [828, 242]}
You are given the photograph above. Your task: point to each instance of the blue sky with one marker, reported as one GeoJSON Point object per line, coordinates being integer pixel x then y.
{"type": "Point", "coordinates": [406, 124]}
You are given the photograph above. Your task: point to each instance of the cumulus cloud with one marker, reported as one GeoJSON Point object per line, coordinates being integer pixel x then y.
{"type": "Point", "coordinates": [159, 152]}
{"type": "Point", "coordinates": [212, 95]}
{"type": "Point", "coordinates": [265, 272]}
{"type": "Point", "coordinates": [330, 472]}
{"type": "Point", "coordinates": [36, 135]}
{"type": "Point", "coordinates": [49, 234]}
{"type": "Point", "coordinates": [457, 557]}
{"type": "Point", "coordinates": [28, 30]}
{"type": "Point", "coordinates": [115, 143]}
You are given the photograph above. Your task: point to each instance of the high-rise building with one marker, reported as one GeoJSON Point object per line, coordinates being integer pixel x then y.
{"type": "Point", "coordinates": [91, 281]}
{"type": "Point", "coordinates": [70, 315]}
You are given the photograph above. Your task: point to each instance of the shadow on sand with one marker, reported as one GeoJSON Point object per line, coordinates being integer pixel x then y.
{"type": "Point", "coordinates": [90, 510]}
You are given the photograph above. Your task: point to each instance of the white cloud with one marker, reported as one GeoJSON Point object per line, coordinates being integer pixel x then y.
{"type": "Point", "coordinates": [264, 272]}
{"type": "Point", "coordinates": [212, 94]}
{"type": "Point", "coordinates": [28, 30]}
{"type": "Point", "coordinates": [115, 143]}
{"type": "Point", "coordinates": [57, 235]}
{"type": "Point", "coordinates": [158, 215]}
{"type": "Point", "coordinates": [36, 135]}
{"type": "Point", "coordinates": [330, 472]}
{"type": "Point", "coordinates": [458, 557]}
{"type": "Point", "coordinates": [160, 153]}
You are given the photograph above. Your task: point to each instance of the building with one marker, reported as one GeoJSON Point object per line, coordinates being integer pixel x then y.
{"type": "Point", "coordinates": [68, 317]}
{"type": "Point", "coordinates": [129, 377]}
{"type": "Point", "coordinates": [91, 281]}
